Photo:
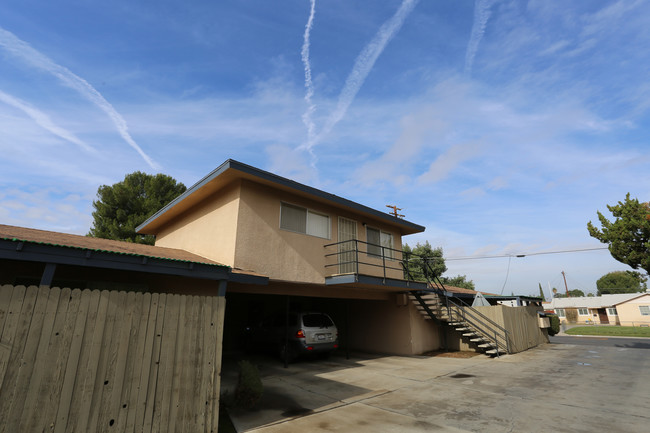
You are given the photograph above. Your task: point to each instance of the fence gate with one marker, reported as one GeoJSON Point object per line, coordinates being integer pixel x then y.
{"type": "Point", "coordinates": [73, 360]}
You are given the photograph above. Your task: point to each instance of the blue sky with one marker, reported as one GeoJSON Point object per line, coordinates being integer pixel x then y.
{"type": "Point", "coordinates": [501, 126]}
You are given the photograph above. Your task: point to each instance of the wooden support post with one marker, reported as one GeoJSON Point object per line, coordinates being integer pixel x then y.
{"type": "Point", "coordinates": [48, 274]}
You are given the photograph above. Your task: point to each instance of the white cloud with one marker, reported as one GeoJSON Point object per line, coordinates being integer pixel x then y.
{"type": "Point", "coordinates": [362, 67]}
{"type": "Point", "coordinates": [32, 57]}
{"type": "Point", "coordinates": [43, 120]}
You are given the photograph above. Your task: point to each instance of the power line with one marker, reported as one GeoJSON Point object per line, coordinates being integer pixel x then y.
{"type": "Point", "coordinates": [524, 255]}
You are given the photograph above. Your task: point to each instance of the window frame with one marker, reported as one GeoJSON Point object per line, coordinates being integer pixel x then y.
{"type": "Point", "coordinates": [580, 311]}
{"type": "Point", "coordinates": [380, 247]}
{"type": "Point", "coordinates": [611, 311]}
{"type": "Point", "coordinates": [644, 310]}
{"type": "Point", "coordinates": [560, 312]}
{"type": "Point", "coordinates": [308, 212]}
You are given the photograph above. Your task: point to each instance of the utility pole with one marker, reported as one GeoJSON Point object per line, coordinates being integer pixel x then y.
{"type": "Point", "coordinates": [565, 286]}
{"type": "Point", "coordinates": [394, 212]}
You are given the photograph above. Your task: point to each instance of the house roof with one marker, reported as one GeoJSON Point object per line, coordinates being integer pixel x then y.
{"type": "Point", "coordinates": [232, 170]}
{"type": "Point", "coordinates": [13, 233]}
{"type": "Point", "coordinates": [464, 291]}
{"type": "Point", "coordinates": [601, 301]}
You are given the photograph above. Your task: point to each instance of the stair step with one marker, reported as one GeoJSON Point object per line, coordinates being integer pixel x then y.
{"type": "Point", "coordinates": [470, 334]}
{"type": "Point", "coordinates": [493, 352]}
{"type": "Point", "coordinates": [458, 324]}
{"type": "Point", "coordinates": [477, 339]}
{"type": "Point", "coordinates": [486, 346]}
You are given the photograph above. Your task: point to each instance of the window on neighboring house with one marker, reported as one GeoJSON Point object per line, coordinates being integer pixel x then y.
{"type": "Point", "coordinates": [376, 240]}
{"type": "Point", "coordinates": [583, 311]}
{"type": "Point", "coordinates": [560, 312]}
{"type": "Point", "coordinates": [612, 311]}
{"type": "Point", "coordinates": [301, 220]}
{"type": "Point", "coordinates": [645, 310]}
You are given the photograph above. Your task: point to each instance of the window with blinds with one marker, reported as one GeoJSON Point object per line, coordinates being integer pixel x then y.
{"type": "Point", "coordinates": [301, 220]}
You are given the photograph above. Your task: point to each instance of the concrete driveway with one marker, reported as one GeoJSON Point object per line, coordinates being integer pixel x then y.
{"type": "Point", "coordinates": [553, 388]}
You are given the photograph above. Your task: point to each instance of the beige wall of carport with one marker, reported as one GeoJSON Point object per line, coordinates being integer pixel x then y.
{"type": "Point", "coordinates": [391, 327]}
{"type": "Point", "coordinates": [73, 360]}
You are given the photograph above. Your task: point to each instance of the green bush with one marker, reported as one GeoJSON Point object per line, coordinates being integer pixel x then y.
{"type": "Point", "coordinates": [249, 386]}
{"type": "Point", "coordinates": [555, 324]}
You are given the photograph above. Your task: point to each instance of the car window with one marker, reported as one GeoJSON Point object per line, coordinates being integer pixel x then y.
{"type": "Point", "coordinates": [317, 321]}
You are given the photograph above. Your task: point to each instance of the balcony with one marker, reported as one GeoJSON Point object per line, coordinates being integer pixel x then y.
{"type": "Point", "coordinates": [364, 264]}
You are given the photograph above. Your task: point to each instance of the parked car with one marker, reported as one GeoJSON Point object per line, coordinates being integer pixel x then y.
{"type": "Point", "coordinates": [305, 332]}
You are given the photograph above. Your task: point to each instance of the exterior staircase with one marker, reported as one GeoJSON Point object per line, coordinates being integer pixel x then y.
{"type": "Point", "coordinates": [483, 334]}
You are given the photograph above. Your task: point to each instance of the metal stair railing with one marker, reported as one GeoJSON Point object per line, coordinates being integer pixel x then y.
{"type": "Point", "coordinates": [462, 312]}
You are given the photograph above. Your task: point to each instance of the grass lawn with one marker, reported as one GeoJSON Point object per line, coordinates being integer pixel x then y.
{"type": "Point", "coordinates": [610, 331]}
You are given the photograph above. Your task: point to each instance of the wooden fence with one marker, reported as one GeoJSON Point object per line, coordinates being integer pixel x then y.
{"type": "Point", "coordinates": [522, 324]}
{"type": "Point", "coordinates": [80, 361]}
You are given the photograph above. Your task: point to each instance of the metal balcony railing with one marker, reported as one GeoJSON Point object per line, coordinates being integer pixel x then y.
{"type": "Point", "coordinates": [359, 257]}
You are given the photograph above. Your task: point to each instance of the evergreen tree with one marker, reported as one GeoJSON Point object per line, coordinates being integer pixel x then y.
{"type": "Point", "coordinates": [123, 206]}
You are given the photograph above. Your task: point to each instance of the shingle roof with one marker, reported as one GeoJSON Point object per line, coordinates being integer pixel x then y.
{"type": "Point", "coordinates": [24, 234]}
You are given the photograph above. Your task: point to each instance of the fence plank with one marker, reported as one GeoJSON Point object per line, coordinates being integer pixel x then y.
{"type": "Point", "coordinates": [149, 401]}
{"type": "Point", "coordinates": [41, 378]}
{"type": "Point", "coordinates": [76, 327]}
{"type": "Point", "coordinates": [6, 292]}
{"type": "Point", "coordinates": [32, 317]}
{"type": "Point", "coordinates": [133, 367]}
{"type": "Point", "coordinates": [8, 340]}
{"type": "Point", "coordinates": [217, 319]}
{"type": "Point", "coordinates": [87, 395]}
{"type": "Point", "coordinates": [166, 369]}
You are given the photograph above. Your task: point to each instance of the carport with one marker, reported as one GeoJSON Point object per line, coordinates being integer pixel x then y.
{"type": "Point", "coordinates": [370, 318]}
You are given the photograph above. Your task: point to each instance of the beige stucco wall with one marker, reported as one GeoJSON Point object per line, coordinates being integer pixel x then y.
{"type": "Point", "coordinates": [629, 313]}
{"type": "Point", "coordinates": [209, 230]}
{"type": "Point", "coordinates": [391, 327]}
{"type": "Point", "coordinates": [284, 255]}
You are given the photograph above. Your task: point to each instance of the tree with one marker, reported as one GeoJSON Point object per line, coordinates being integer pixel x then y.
{"type": "Point", "coordinates": [575, 293]}
{"type": "Point", "coordinates": [628, 236]}
{"type": "Point", "coordinates": [541, 292]}
{"type": "Point", "coordinates": [621, 282]}
{"type": "Point", "coordinates": [458, 281]}
{"type": "Point", "coordinates": [120, 208]}
{"type": "Point", "coordinates": [419, 257]}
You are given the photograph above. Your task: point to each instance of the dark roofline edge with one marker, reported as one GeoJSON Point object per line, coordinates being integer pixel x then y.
{"type": "Point", "coordinates": [248, 169]}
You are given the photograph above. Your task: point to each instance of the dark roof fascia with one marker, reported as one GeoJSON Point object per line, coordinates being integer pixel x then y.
{"type": "Point", "coordinates": [62, 255]}
{"type": "Point", "coordinates": [274, 178]}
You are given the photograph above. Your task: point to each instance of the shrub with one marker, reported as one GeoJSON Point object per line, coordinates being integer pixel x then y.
{"type": "Point", "coordinates": [249, 386]}
{"type": "Point", "coordinates": [555, 324]}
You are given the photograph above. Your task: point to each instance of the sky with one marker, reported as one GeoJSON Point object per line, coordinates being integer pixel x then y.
{"type": "Point", "coordinates": [500, 126]}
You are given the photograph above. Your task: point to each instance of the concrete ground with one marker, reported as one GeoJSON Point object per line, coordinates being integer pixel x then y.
{"type": "Point", "coordinates": [553, 388]}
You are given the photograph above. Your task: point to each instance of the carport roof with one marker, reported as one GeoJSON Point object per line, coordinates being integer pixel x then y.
{"type": "Point", "coordinates": [43, 237]}
{"type": "Point", "coordinates": [232, 170]}
{"type": "Point", "coordinates": [33, 245]}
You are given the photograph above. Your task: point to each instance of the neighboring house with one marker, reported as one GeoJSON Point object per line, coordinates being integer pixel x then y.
{"type": "Point", "coordinates": [627, 309]}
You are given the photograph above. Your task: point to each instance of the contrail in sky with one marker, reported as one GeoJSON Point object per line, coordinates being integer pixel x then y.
{"type": "Point", "coordinates": [43, 120]}
{"type": "Point", "coordinates": [362, 67]}
{"type": "Point", "coordinates": [481, 16]}
{"type": "Point", "coordinates": [24, 51]}
{"type": "Point", "coordinates": [309, 85]}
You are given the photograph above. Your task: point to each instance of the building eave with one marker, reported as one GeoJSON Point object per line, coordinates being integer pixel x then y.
{"type": "Point", "coordinates": [231, 170]}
